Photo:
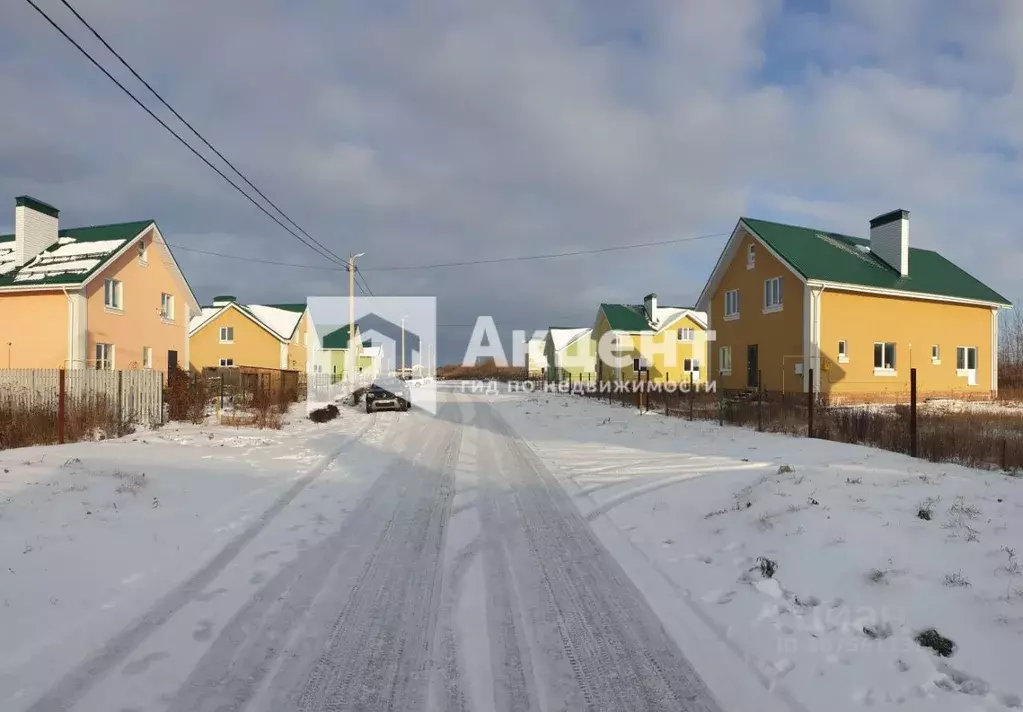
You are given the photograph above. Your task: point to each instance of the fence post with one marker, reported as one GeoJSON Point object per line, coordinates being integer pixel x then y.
{"type": "Point", "coordinates": [120, 398]}
{"type": "Point", "coordinates": [692, 394]}
{"type": "Point", "coordinates": [760, 401]}
{"type": "Point", "coordinates": [810, 403]}
{"type": "Point", "coordinates": [721, 407]}
{"type": "Point", "coordinates": [61, 406]}
{"type": "Point", "coordinates": [912, 413]}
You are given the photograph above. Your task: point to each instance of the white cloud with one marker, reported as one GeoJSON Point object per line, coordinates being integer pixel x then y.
{"type": "Point", "coordinates": [457, 130]}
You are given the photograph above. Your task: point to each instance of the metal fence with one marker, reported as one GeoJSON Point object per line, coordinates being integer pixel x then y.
{"type": "Point", "coordinates": [986, 435]}
{"type": "Point", "coordinates": [136, 396]}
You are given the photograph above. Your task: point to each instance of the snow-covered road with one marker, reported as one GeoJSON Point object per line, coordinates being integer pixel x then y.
{"type": "Point", "coordinates": [440, 567]}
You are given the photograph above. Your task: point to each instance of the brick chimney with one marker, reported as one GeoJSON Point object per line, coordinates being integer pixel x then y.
{"type": "Point", "coordinates": [889, 239]}
{"type": "Point", "coordinates": [35, 228]}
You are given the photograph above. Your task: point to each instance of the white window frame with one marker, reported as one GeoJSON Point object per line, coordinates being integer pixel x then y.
{"type": "Point", "coordinates": [731, 304]}
{"type": "Point", "coordinates": [773, 299]}
{"type": "Point", "coordinates": [640, 365]}
{"type": "Point", "coordinates": [964, 351]}
{"type": "Point", "coordinates": [687, 333]}
{"type": "Point", "coordinates": [147, 357]}
{"type": "Point", "coordinates": [166, 306]}
{"type": "Point", "coordinates": [843, 351]}
{"type": "Point", "coordinates": [936, 354]}
{"type": "Point", "coordinates": [725, 355]}
{"type": "Point", "coordinates": [886, 370]}
{"type": "Point", "coordinates": [113, 295]}
{"type": "Point", "coordinates": [143, 251]}
{"type": "Point", "coordinates": [751, 256]}
{"type": "Point", "coordinates": [227, 363]}
{"type": "Point", "coordinates": [691, 365]}
{"type": "Point", "coordinates": [224, 331]}
{"type": "Point", "coordinates": [105, 355]}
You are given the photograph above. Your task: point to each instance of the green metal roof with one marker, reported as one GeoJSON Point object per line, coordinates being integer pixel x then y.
{"type": "Point", "coordinates": [80, 266]}
{"type": "Point", "coordinates": [626, 317]}
{"type": "Point", "coordinates": [630, 317]}
{"type": "Point", "coordinates": [296, 307]}
{"type": "Point", "coordinates": [831, 257]}
{"type": "Point", "coordinates": [337, 339]}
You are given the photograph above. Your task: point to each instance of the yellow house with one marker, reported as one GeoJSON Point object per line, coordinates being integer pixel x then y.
{"type": "Point", "coordinates": [859, 313]}
{"type": "Point", "coordinates": [664, 344]}
{"type": "Point", "coordinates": [105, 296]}
{"type": "Point", "coordinates": [230, 334]}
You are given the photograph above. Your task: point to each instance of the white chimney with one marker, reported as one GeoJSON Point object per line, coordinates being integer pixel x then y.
{"type": "Point", "coordinates": [650, 304]}
{"type": "Point", "coordinates": [889, 239]}
{"type": "Point", "coordinates": [35, 228]}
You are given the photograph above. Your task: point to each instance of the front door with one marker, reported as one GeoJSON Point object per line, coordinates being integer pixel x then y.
{"type": "Point", "coordinates": [172, 360]}
{"type": "Point", "coordinates": [752, 366]}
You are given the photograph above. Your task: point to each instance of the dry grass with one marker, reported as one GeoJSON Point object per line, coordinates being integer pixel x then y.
{"type": "Point", "coordinates": [86, 418]}
{"type": "Point", "coordinates": [973, 436]}
{"type": "Point", "coordinates": [484, 373]}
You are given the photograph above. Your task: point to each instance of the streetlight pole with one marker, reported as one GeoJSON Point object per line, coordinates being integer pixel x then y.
{"type": "Point", "coordinates": [403, 347]}
{"type": "Point", "coordinates": [350, 365]}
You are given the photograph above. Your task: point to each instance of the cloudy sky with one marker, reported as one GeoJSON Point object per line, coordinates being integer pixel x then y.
{"type": "Point", "coordinates": [445, 130]}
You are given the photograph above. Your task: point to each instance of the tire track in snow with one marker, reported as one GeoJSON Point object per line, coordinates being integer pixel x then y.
{"type": "Point", "coordinates": [83, 677]}
{"type": "Point", "coordinates": [256, 640]}
{"type": "Point", "coordinates": [619, 653]}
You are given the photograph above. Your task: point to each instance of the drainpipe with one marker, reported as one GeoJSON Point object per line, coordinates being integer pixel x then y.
{"type": "Point", "coordinates": [72, 333]}
{"type": "Point", "coordinates": [815, 295]}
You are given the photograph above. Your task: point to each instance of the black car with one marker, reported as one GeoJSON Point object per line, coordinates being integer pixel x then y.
{"type": "Point", "coordinates": [389, 393]}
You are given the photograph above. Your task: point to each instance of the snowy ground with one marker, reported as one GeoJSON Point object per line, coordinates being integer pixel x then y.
{"type": "Point", "coordinates": [510, 553]}
{"type": "Point", "coordinates": [859, 574]}
{"type": "Point", "coordinates": [92, 533]}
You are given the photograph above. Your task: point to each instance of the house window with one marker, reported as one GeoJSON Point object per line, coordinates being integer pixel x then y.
{"type": "Point", "coordinates": [843, 351]}
{"type": "Point", "coordinates": [640, 364]}
{"type": "Point", "coordinates": [966, 358]}
{"type": "Point", "coordinates": [936, 354]}
{"type": "Point", "coordinates": [691, 365]}
{"type": "Point", "coordinates": [143, 252]}
{"type": "Point", "coordinates": [105, 357]}
{"type": "Point", "coordinates": [884, 356]}
{"type": "Point", "coordinates": [751, 257]}
{"type": "Point", "coordinates": [726, 359]}
{"type": "Point", "coordinates": [112, 293]}
{"type": "Point", "coordinates": [167, 306]}
{"type": "Point", "coordinates": [147, 357]}
{"type": "Point", "coordinates": [772, 293]}
{"type": "Point", "coordinates": [686, 334]}
{"type": "Point", "coordinates": [225, 362]}
{"type": "Point", "coordinates": [227, 334]}
{"type": "Point", "coordinates": [732, 303]}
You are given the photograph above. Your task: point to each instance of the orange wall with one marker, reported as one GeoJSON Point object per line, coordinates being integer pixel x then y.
{"type": "Point", "coordinates": [914, 325]}
{"type": "Point", "coordinates": [253, 345]}
{"type": "Point", "coordinates": [777, 335]}
{"type": "Point", "coordinates": [139, 323]}
{"type": "Point", "coordinates": [35, 324]}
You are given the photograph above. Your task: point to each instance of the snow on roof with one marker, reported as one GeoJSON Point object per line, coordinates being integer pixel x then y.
{"type": "Point", "coordinates": [563, 337]}
{"type": "Point", "coordinates": [666, 315]}
{"type": "Point", "coordinates": [37, 270]}
{"type": "Point", "coordinates": [204, 316]}
{"type": "Point", "coordinates": [280, 321]}
{"type": "Point", "coordinates": [79, 249]}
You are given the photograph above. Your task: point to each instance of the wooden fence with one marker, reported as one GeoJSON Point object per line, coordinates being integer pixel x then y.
{"type": "Point", "coordinates": [138, 393]}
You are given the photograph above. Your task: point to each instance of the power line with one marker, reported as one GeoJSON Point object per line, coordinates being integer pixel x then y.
{"type": "Point", "coordinates": [323, 253]}
{"type": "Point", "coordinates": [195, 131]}
{"type": "Point", "coordinates": [554, 255]}
{"type": "Point", "coordinates": [256, 259]}
{"type": "Point", "coordinates": [365, 285]}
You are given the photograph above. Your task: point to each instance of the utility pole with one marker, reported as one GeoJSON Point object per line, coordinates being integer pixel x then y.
{"type": "Point", "coordinates": [350, 354]}
{"type": "Point", "coordinates": [403, 347]}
